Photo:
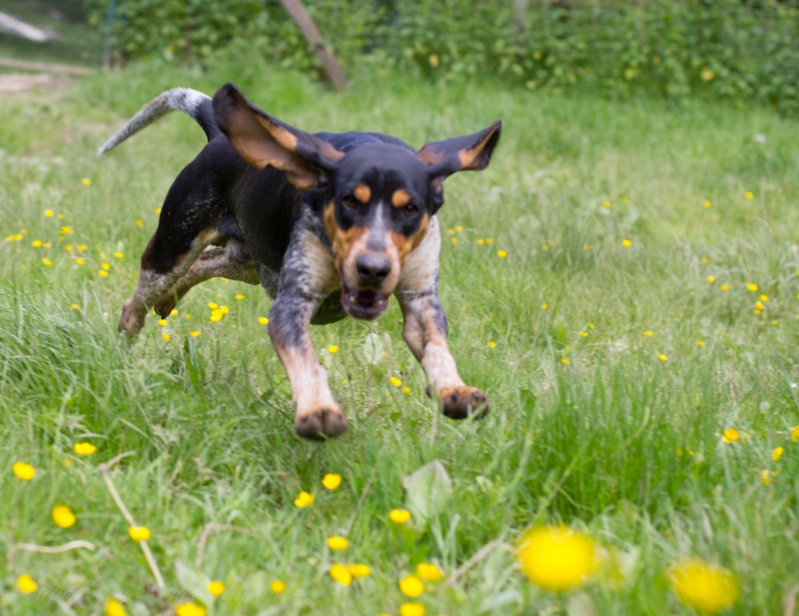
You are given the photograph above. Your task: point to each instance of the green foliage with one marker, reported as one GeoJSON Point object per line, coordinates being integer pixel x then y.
{"type": "Point", "coordinates": [728, 49]}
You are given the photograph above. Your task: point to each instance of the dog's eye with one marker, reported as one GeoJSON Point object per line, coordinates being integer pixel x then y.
{"type": "Point", "coordinates": [350, 202]}
{"type": "Point", "coordinates": [410, 209]}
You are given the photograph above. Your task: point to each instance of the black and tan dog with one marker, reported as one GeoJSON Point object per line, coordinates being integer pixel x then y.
{"type": "Point", "coordinates": [330, 224]}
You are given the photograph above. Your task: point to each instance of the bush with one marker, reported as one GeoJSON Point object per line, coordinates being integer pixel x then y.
{"type": "Point", "coordinates": [725, 49]}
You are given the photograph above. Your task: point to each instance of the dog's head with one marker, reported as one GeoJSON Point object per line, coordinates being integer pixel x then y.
{"type": "Point", "coordinates": [376, 199]}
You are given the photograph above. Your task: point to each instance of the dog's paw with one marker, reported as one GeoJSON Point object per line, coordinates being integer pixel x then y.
{"type": "Point", "coordinates": [320, 424]}
{"type": "Point", "coordinates": [463, 401]}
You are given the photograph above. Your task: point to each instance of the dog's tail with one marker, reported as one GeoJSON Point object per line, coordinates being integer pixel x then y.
{"type": "Point", "coordinates": [191, 102]}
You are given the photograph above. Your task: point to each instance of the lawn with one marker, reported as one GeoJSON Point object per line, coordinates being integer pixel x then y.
{"type": "Point", "coordinates": [638, 341]}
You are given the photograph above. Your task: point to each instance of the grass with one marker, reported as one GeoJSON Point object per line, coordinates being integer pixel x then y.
{"type": "Point", "coordinates": [616, 442]}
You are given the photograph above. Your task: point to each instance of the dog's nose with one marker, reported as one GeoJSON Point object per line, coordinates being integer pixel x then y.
{"type": "Point", "coordinates": [372, 268]}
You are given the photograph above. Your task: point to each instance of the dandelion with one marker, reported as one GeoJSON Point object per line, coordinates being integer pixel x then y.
{"type": "Point", "coordinates": [341, 574]}
{"type": "Point", "coordinates": [406, 390]}
{"type": "Point", "coordinates": [480, 241]}
{"type": "Point", "coordinates": [591, 326]}
{"type": "Point", "coordinates": [711, 279]}
{"type": "Point", "coordinates": [190, 609]}
{"type": "Point", "coordinates": [704, 260]}
{"type": "Point", "coordinates": [338, 544]}
{"type": "Point", "coordinates": [82, 247]}
{"type": "Point", "coordinates": [264, 321]}
{"type": "Point", "coordinates": [707, 204]}
{"type": "Point", "coordinates": [331, 481]}
{"type": "Point", "coordinates": [400, 516]}
{"type": "Point", "coordinates": [459, 229]}
{"type": "Point", "coordinates": [26, 472]}
{"type": "Point", "coordinates": [277, 586]}
{"type": "Point", "coordinates": [429, 572]}
{"type": "Point", "coordinates": [489, 241]}
{"type": "Point", "coordinates": [139, 533]}
{"type": "Point", "coordinates": [412, 609]}
{"type": "Point", "coordinates": [194, 334]}
{"type": "Point", "coordinates": [63, 516]}
{"type": "Point", "coordinates": [74, 306]}
{"type": "Point", "coordinates": [564, 361]}
{"type": "Point", "coordinates": [114, 608]}
{"type": "Point", "coordinates": [725, 287]}
{"type": "Point", "coordinates": [492, 344]}
{"type": "Point", "coordinates": [584, 334]}
{"type": "Point", "coordinates": [84, 448]}
{"type": "Point", "coordinates": [700, 343]}
{"type": "Point", "coordinates": [162, 322]}
{"type": "Point", "coordinates": [707, 74]}
{"type": "Point", "coordinates": [705, 587]}
{"type": "Point", "coordinates": [85, 181]}
{"type": "Point", "coordinates": [777, 453]}
{"type": "Point", "coordinates": [166, 336]}
{"type": "Point", "coordinates": [224, 309]}
{"type": "Point", "coordinates": [216, 588]}
{"type": "Point", "coordinates": [26, 584]}
{"type": "Point", "coordinates": [411, 586]}
{"type": "Point", "coordinates": [752, 287]}
{"type": "Point", "coordinates": [544, 306]}
{"type": "Point", "coordinates": [454, 240]}
{"type": "Point", "coordinates": [68, 247]}
{"type": "Point", "coordinates": [433, 60]}
{"type": "Point", "coordinates": [556, 557]}
{"type": "Point", "coordinates": [648, 333]}
{"type": "Point", "coordinates": [65, 230]}
{"type": "Point", "coordinates": [662, 357]}
{"type": "Point", "coordinates": [216, 315]}
{"type": "Point", "coordinates": [139, 222]}
{"type": "Point", "coordinates": [48, 213]}
{"type": "Point", "coordinates": [395, 381]}
{"type": "Point", "coordinates": [358, 571]}
{"type": "Point", "coordinates": [626, 243]}
{"type": "Point", "coordinates": [766, 477]}
{"type": "Point", "coordinates": [759, 306]}
{"type": "Point", "coordinates": [304, 500]}
{"type": "Point", "coordinates": [502, 254]}
{"type": "Point", "coordinates": [36, 243]}
{"type": "Point", "coordinates": [332, 349]}
{"type": "Point", "coordinates": [119, 255]}
{"type": "Point", "coordinates": [794, 437]}
{"type": "Point", "coordinates": [102, 273]}
{"type": "Point", "coordinates": [47, 262]}
{"type": "Point", "coordinates": [730, 435]}
{"type": "Point", "coordinates": [764, 298]}
{"type": "Point", "coordinates": [157, 210]}
{"type": "Point", "coordinates": [749, 194]}
{"type": "Point", "coordinates": [606, 204]}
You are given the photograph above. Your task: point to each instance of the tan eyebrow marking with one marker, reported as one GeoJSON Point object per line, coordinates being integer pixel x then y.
{"type": "Point", "coordinates": [362, 193]}
{"type": "Point", "coordinates": [400, 198]}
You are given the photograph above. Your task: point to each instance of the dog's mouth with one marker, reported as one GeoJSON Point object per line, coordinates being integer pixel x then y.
{"type": "Point", "coordinates": [365, 304]}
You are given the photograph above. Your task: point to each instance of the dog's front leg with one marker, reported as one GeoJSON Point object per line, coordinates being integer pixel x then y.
{"type": "Point", "coordinates": [305, 282]}
{"type": "Point", "coordinates": [425, 332]}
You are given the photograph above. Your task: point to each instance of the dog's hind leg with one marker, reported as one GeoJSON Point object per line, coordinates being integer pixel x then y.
{"type": "Point", "coordinates": [425, 331]}
{"type": "Point", "coordinates": [214, 261]}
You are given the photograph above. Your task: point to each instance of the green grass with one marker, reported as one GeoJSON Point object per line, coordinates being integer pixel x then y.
{"type": "Point", "coordinates": [593, 443]}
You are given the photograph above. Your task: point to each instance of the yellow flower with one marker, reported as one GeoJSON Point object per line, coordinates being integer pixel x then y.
{"type": "Point", "coordinates": [412, 609]}
{"type": "Point", "coordinates": [429, 572]}
{"type": "Point", "coordinates": [332, 349]}
{"type": "Point", "coordinates": [216, 588]}
{"type": "Point", "coordinates": [492, 344]}
{"type": "Point", "coordinates": [194, 334]}
{"type": "Point", "coordinates": [224, 309]}
{"type": "Point", "coordinates": [331, 481]}
{"type": "Point", "coordinates": [26, 584]}
{"type": "Point", "coordinates": [102, 273]}
{"type": "Point", "coordinates": [263, 321]}
{"type": "Point", "coordinates": [764, 298]}
{"type": "Point", "coordinates": [705, 587]}
{"type": "Point", "coordinates": [626, 243]}
{"type": "Point", "coordinates": [74, 306]}
{"type": "Point", "coordinates": [80, 261]}
{"type": "Point", "coordinates": [359, 571]}
{"type": "Point", "coordinates": [711, 279]}
{"type": "Point", "coordinates": [139, 533]}
{"type": "Point", "coordinates": [114, 608]}
{"type": "Point", "coordinates": [68, 247]}
{"type": "Point", "coordinates": [707, 74]}
{"type": "Point", "coordinates": [777, 453]}
{"type": "Point", "coordinates": [725, 287]}
{"type": "Point", "coordinates": [337, 544]}
{"type": "Point", "coordinates": [662, 357]}
{"type": "Point", "coordinates": [85, 449]}
{"type": "Point", "coordinates": [213, 305]}
{"type": "Point", "coordinates": [139, 222]}
{"type": "Point", "coordinates": [400, 516]}
{"type": "Point", "coordinates": [591, 326]}
{"type": "Point", "coordinates": [63, 516]}
{"type": "Point", "coordinates": [454, 240]}
{"type": "Point", "coordinates": [556, 557]}
{"type": "Point", "coordinates": [544, 306]}
{"type": "Point", "coordinates": [564, 361]}
{"type": "Point", "coordinates": [173, 312]}
{"type": "Point", "coordinates": [119, 255]}
{"type": "Point", "coordinates": [165, 336]}
{"type": "Point", "coordinates": [794, 436]}
{"type": "Point", "coordinates": [502, 254]}
{"type": "Point", "coordinates": [480, 241]}
{"type": "Point", "coordinates": [216, 315]}
{"type": "Point", "coordinates": [406, 390]}
{"type": "Point", "coordinates": [433, 60]}
{"type": "Point", "coordinates": [704, 260]}
{"type": "Point", "coordinates": [341, 574]}
{"type": "Point", "coordinates": [47, 261]}
{"type": "Point", "coordinates": [749, 195]}
{"type": "Point", "coordinates": [65, 230]}
{"type": "Point", "coordinates": [584, 334]}
{"type": "Point", "coordinates": [85, 181]}
{"type": "Point", "coordinates": [411, 586]}
{"type": "Point", "coordinates": [759, 305]}
{"type": "Point", "coordinates": [304, 499]}
{"type": "Point", "coordinates": [700, 343]}
{"type": "Point", "coordinates": [752, 287]}
{"type": "Point", "coordinates": [36, 243]}
{"type": "Point", "coordinates": [606, 204]}
{"type": "Point", "coordinates": [647, 333]}
{"type": "Point", "coordinates": [162, 322]}
{"type": "Point", "coordinates": [730, 435]}
{"type": "Point", "coordinates": [277, 586]}
{"type": "Point", "coordinates": [707, 204]}
{"type": "Point", "coordinates": [23, 471]}
{"type": "Point", "coordinates": [395, 381]}
{"type": "Point", "coordinates": [239, 297]}
{"type": "Point", "coordinates": [48, 213]}
{"type": "Point", "coordinates": [489, 241]}
{"type": "Point", "coordinates": [190, 609]}
{"type": "Point", "coordinates": [765, 477]}
{"type": "Point", "coordinates": [157, 210]}
{"type": "Point", "coordinates": [105, 266]}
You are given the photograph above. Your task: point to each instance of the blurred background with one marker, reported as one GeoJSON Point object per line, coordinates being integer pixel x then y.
{"type": "Point", "coordinates": [741, 51]}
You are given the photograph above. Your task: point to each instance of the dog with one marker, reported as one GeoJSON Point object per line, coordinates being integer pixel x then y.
{"type": "Point", "coordinates": [330, 224]}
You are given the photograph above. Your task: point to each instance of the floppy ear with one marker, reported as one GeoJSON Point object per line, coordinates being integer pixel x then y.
{"type": "Point", "coordinates": [264, 141]}
{"type": "Point", "coordinates": [468, 153]}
